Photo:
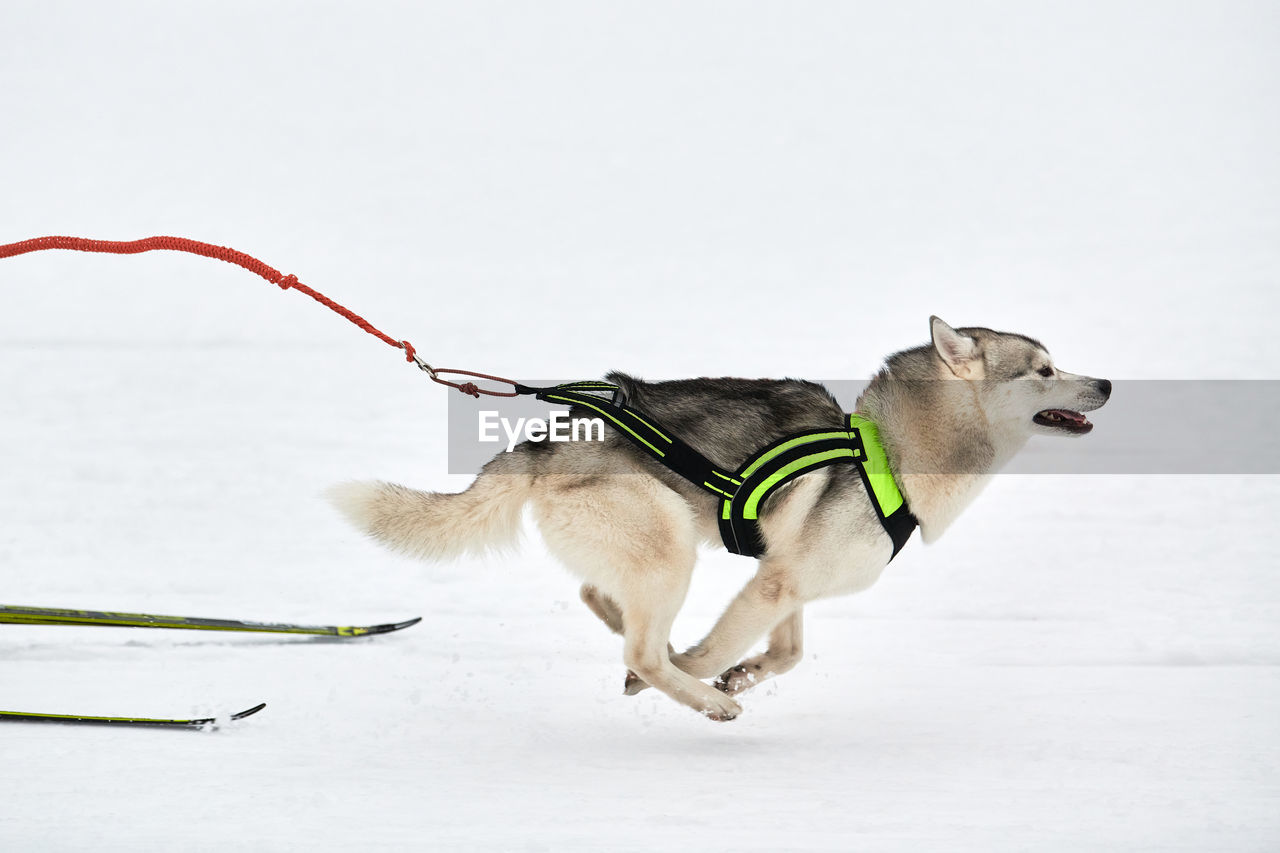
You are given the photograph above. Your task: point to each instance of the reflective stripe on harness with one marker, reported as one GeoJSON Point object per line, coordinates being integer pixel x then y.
{"type": "Point", "coordinates": [742, 492]}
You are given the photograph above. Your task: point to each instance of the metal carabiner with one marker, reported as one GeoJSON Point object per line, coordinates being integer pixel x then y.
{"type": "Point", "coordinates": [424, 367]}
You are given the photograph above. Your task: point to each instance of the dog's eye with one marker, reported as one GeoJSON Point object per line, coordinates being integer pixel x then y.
{"type": "Point", "coordinates": [1045, 371]}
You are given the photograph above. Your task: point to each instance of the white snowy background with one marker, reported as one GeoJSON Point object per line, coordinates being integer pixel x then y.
{"type": "Point", "coordinates": [672, 189]}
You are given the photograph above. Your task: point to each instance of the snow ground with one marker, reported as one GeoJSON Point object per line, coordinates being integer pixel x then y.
{"type": "Point", "coordinates": [1083, 662]}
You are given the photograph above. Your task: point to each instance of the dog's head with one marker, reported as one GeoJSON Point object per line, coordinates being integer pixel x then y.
{"type": "Point", "coordinates": [1016, 383]}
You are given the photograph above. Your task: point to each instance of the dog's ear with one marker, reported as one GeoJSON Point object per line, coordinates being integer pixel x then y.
{"type": "Point", "coordinates": [957, 350]}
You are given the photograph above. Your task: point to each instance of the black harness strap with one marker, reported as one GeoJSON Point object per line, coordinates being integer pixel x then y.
{"type": "Point", "coordinates": [769, 470]}
{"type": "Point", "coordinates": [646, 434]}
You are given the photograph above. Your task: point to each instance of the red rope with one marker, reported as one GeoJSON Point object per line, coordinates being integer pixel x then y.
{"type": "Point", "coordinates": [208, 250]}
{"type": "Point", "coordinates": [257, 267]}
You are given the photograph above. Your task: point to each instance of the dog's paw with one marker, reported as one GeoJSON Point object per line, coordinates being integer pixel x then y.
{"type": "Point", "coordinates": [723, 710]}
{"type": "Point", "coordinates": [633, 684]}
{"type": "Point", "coordinates": [736, 680]}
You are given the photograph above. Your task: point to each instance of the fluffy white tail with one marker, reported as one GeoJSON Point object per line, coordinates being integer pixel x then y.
{"type": "Point", "coordinates": [433, 525]}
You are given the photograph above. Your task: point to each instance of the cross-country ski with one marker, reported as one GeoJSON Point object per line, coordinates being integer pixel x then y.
{"type": "Point", "coordinates": [18, 615]}
{"type": "Point", "coordinates": [75, 719]}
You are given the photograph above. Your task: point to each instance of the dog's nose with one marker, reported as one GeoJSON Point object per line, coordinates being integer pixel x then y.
{"type": "Point", "coordinates": [1104, 385]}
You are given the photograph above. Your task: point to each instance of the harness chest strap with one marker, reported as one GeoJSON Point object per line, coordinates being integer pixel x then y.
{"type": "Point", "coordinates": [742, 492]}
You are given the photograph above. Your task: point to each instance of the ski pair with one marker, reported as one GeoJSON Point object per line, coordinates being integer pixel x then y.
{"type": "Point", "coordinates": [19, 615]}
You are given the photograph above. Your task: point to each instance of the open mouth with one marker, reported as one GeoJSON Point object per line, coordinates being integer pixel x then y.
{"type": "Point", "coordinates": [1063, 419]}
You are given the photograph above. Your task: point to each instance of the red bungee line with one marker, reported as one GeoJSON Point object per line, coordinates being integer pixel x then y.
{"type": "Point", "coordinates": [257, 267]}
{"type": "Point", "coordinates": [208, 250]}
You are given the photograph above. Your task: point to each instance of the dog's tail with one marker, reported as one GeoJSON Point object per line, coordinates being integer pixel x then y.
{"type": "Point", "coordinates": [436, 525]}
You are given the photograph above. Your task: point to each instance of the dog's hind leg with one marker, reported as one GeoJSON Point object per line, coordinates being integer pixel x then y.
{"type": "Point", "coordinates": [604, 607]}
{"type": "Point", "coordinates": [763, 603]}
{"type": "Point", "coordinates": [633, 540]}
{"type": "Point", "coordinates": [649, 615]}
{"type": "Point", "coordinates": [606, 610]}
{"type": "Point", "coordinates": [786, 647]}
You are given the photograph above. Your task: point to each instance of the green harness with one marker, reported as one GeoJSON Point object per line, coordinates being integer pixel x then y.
{"type": "Point", "coordinates": [743, 492]}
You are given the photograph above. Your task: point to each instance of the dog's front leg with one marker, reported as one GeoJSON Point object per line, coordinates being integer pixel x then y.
{"type": "Point", "coordinates": [786, 647]}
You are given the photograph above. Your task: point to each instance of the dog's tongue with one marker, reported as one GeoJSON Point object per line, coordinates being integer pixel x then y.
{"type": "Point", "coordinates": [1068, 415]}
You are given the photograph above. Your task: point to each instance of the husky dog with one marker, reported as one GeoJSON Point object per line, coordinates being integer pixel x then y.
{"type": "Point", "coordinates": [949, 414]}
